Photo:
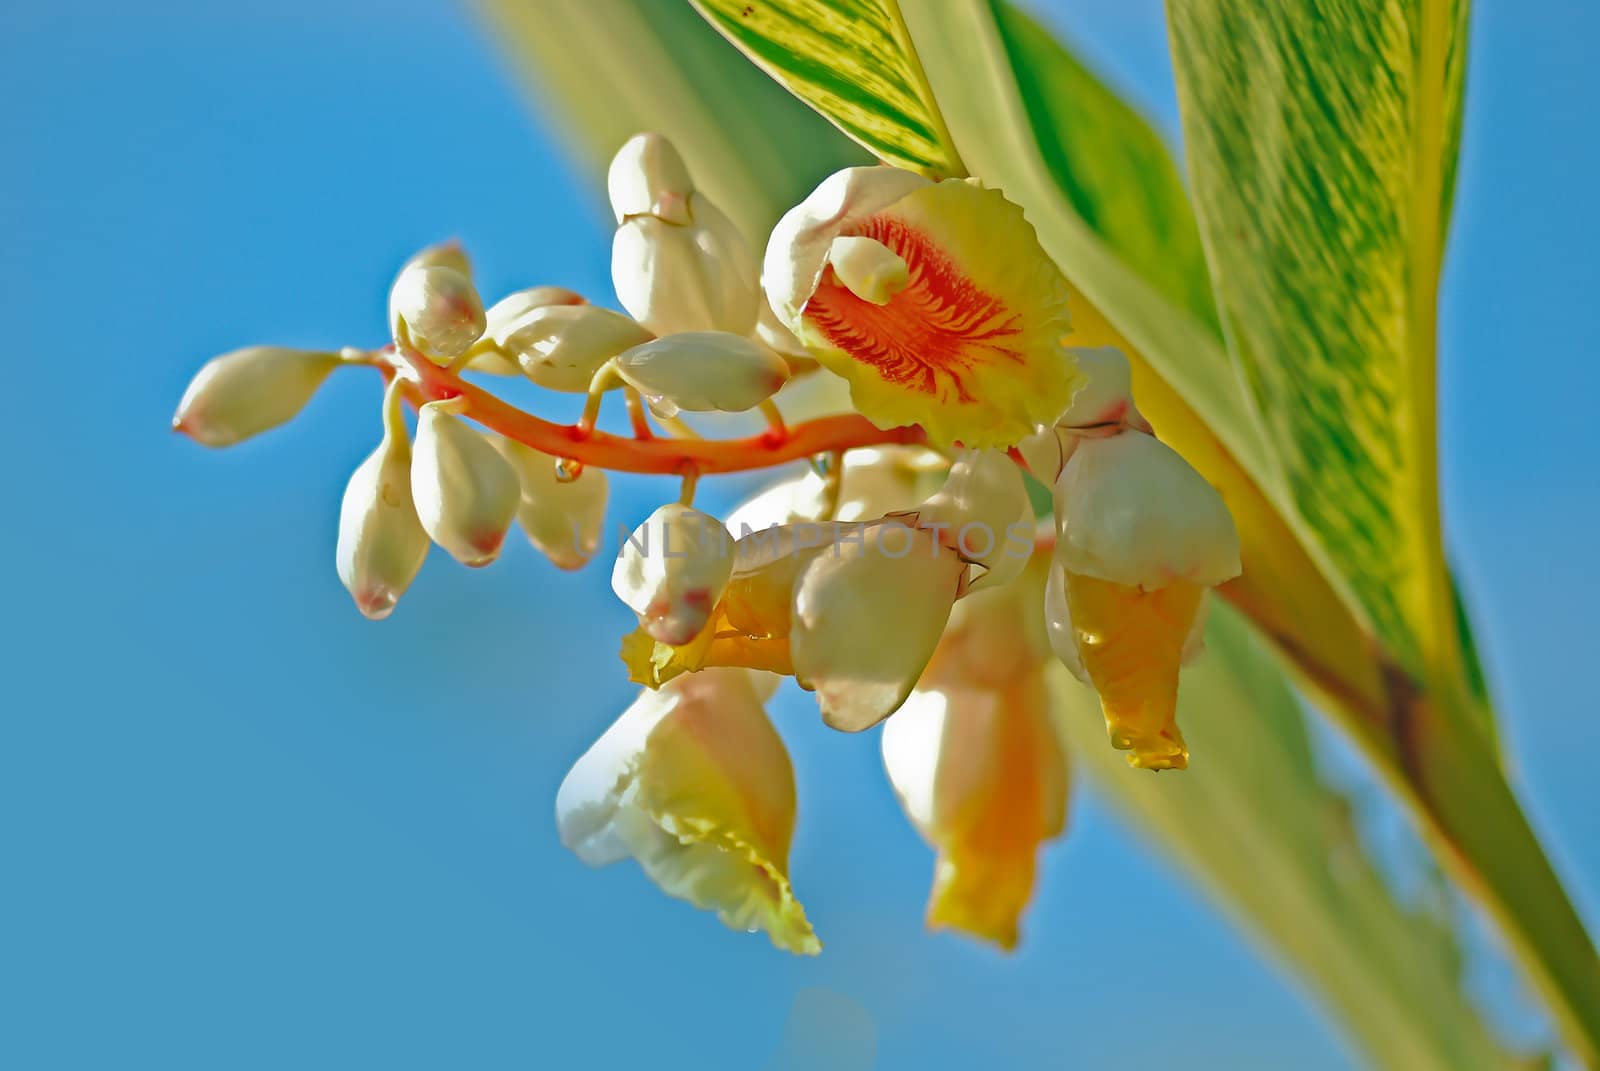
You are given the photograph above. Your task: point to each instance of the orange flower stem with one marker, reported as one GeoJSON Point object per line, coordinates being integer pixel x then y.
{"type": "Point", "coordinates": [426, 381]}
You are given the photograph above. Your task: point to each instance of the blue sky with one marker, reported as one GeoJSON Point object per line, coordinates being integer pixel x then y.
{"type": "Point", "coordinates": [243, 827]}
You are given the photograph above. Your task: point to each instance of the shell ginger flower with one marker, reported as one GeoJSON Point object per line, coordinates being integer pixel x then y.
{"type": "Point", "coordinates": [933, 299]}
{"type": "Point", "coordinates": [695, 784]}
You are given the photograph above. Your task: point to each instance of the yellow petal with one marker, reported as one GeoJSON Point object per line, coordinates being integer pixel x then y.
{"type": "Point", "coordinates": [982, 774]}
{"type": "Point", "coordinates": [970, 349]}
{"type": "Point", "coordinates": [1131, 643]}
{"type": "Point", "coordinates": [694, 783]}
{"type": "Point", "coordinates": [715, 775]}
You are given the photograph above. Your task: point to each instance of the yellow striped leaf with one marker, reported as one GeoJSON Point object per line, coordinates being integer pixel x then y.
{"type": "Point", "coordinates": [853, 62]}
{"type": "Point", "coordinates": [1321, 140]}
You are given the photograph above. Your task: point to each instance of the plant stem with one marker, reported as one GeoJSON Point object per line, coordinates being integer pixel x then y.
{"type": "Point", "coordinates": [424, 381]}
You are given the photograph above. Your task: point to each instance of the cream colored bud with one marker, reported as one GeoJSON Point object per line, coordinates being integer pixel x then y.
{"type": "Point", "coordinates": [700, 277]}
{"type": "Point", "coordinates": [867, 616]}
{"type": "Point", "coordinates": [672, 570]}
{"type": "Point", "coordinates": [381, 541]}
{"type": "Point", "coordinates": [648, 177]}
{"type": "Point", "coordinates": [466, 492]}
{"type": "Point", "coordinates": [250, 391]}
{"type": "Point", "coordinates": [983, 514]}
{"type": "Point", "coordinates": [703, 371]}
{"type": "Point", "coordinates": [1130, 510]}
{"type": "Point", "coordinates": [439, 309]}
{"type": "Point", "coordinates": [1106, 398]}
{"type": "Point", "coordinates": [444, 255]}
{"type": "Point", "coordinates": [871, 270]}
{"type": "Point", "coordinates": [561, 347]}
{"type": "Point", "coordinates": [507, 314]}
{"type": "Point", "coordinates": [562, 519]}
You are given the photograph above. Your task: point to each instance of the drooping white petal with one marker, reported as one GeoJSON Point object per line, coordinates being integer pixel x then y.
{"type": "Point", "coordinates": [693, 783]}
{"type": "Point", "coordinates": [867, 616]}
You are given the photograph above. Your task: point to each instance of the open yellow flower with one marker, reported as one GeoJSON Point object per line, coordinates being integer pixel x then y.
{"type": "Point", "coordinates": [934, 299]}
{"type": "Point", "coordinates": [695, 784]}
{"type": "Point", "coordinates": [1141, 537]}
{"type": "Point", "coordinates": [977, 764]}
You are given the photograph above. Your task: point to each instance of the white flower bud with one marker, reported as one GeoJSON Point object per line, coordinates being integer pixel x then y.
{"type": "Point", "coordinates": [444, 255]}
{"type": "Point", "coordinates": [466, 493]}
{"type": "Point", "coordinates": [703, 371]}
{"type": "Point", "coordinates": [250, 391]}
{"type": "Point", "coordinates": [648, 177]}
{"type": "Point", "coordinates": [561, 347]}
{"type": "Point", "coordinates": [381, 542]}
{"type": "Point", "coordinates": [672, 570]}
{"type": "Point", "coordinates": [982, 512]}
{"type": "Point", "coordinates": [1106, 399]}
{"type": "Point", "coordinates": [698, 277]}
{"type": "Point", "coordinates": [439, 309]}
{"type": "Point", "coordinates": [562, 519]}
{"type": "Point", "coordinates": [507, 314]}
{"type": "Point", "coordinates": [1132, 511]}
{"type": "Point", "coordinates": [871, 270]}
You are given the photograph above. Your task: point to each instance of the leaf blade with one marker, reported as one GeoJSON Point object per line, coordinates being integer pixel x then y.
{"type": "Point", "coordinates": [852, 61]}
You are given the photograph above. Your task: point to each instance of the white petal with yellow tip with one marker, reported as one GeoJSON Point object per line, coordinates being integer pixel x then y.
{"type": "Point", "coordinates": [867, 615]}
{"type": "Point", "coordinates": [694, 783]}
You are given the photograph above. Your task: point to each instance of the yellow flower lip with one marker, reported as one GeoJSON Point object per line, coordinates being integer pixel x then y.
{"type": "Point", "coordinates": [934, 300]}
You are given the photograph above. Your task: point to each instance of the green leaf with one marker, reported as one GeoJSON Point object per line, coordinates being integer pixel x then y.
{"type": "Point", "coordinates": [1302, 881]}
{"type": "Point", "coordinates": [852, 61]}
{"type": "Point", "coordinates": [1322, 140]}
{"type": "Point", "coordinates": [1109, 164]}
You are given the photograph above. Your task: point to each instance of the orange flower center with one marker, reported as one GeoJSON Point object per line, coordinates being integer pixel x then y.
{"type": "Point", "coordinates": [931, 334]}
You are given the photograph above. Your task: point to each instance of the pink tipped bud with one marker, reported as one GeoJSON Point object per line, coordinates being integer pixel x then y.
{"type": "Point", "coordinates": [249, 391]}
{"type": "Point", "coordinates": [672, 570]}
{"type": "Point", "coordinates": [561, 347]}
{"type": "Point", "coordinates": [704, 371]}
{"type": "Point", "coordinates": [648, 178]}
{"type": "Point", "coordinates": [381, 541]}
{"type": "Point", "coordinates": [466, 493]}
{"type": "Point", "coordinates": [439, 309]}
{"type": "Point", "coordinates": [561, 518]}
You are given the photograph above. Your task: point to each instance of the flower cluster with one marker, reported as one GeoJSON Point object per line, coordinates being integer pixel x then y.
{"type": "Point", "coordinates": [906, 575]}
